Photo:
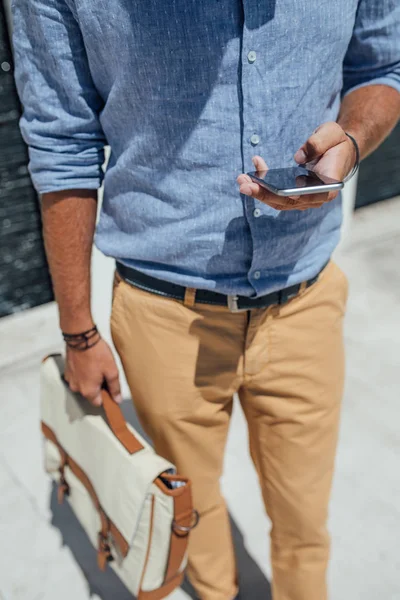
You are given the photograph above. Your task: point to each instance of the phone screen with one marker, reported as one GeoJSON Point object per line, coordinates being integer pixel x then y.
{"type": "Point", "coordinates": [294, 179]}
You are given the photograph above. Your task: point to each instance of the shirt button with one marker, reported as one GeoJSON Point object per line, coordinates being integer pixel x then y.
{"type": "Point", "coordinates": [255, 139]}
{"type": "Point", "coordinates": [251, 57]}
{"type": "Point", "coordinates": [257, 212]}
{"type": "Point", "coordinates": [257, 275]}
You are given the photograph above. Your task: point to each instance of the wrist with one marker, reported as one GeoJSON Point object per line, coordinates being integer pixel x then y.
{"type": "Point", "coordinates": [355, 154]}
{"type": "Point", "coordinates": [76, 323]}
{"type": "Point", "coordinates": [357, 132]}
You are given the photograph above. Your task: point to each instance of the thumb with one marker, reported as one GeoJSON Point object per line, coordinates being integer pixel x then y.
{"type": "Point", "coordinates": [259, 163]}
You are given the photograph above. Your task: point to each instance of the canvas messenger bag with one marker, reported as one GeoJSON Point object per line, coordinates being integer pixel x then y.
{"type": "Point", "coordinates": [135, 509]}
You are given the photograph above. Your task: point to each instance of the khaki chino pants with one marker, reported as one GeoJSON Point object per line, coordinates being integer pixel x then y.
{"type": "Point", "coordinates": [184, 363]}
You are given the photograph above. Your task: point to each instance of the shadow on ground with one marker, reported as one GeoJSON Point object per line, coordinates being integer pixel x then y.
{"type": "Point", "coordinates": [252, 581]}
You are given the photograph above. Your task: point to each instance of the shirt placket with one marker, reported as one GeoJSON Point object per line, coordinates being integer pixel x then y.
{"type": "Point", "coordinates": [253, 142]}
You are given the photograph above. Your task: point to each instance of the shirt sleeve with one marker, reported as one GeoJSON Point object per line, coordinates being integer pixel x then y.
{"type": "Point", "coordinates": [373, 55]}
{"type": "Point", "coordinates": [61, 106]}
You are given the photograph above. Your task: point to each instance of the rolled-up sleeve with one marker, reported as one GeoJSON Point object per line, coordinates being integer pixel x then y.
{"type": "Point", "coordinates": [61, 106]}
{"type": "Point", "coordinates": [373, 56]}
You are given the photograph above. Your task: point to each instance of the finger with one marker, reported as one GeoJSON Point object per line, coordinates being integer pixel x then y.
{"type": "Point", "coordinates": [294, 201]}
{"type": "Point", "coordinates": [332, 196]}
{"type": "Point", "coordinates": [251, 188]}
{"type": "Point", "coordinates": [69, 382]}
{"type": "Point", "coordinates": [310, 199]}
{"type": "Point", "coordinates": [92, 394]}
{"type": "Point", "coordinates": [296, 206]}
{"type": "Point", "coordinates": [97, 401]}
{"type": "Point", "coordinates": [260, 193]}
{"type": "Point", "coordinates": [303, 207]}
{"type": "Point", "coordinates": [315, 198]}
{"type": "Point", "coordinates": [306, 201]}
{"type": "Point", "coordinates": [244, 178]}
{"type": "Point", "coordinates": [113, 386]}
{"type": "Point", "coordinates": [324, 137]}
{"type": "Point", "coordinates": [259, 163]}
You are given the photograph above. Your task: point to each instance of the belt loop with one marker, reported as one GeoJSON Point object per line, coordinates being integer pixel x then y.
{"type": "Point", "coordinates": [190, 297]}
{"type": "Point", "coordinates": [303, 287]}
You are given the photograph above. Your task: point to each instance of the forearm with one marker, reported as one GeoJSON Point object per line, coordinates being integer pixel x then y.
{"type": "Point", "coordinates": [369, 114]}
{"type": "Point", "coordinates": [69, 219]}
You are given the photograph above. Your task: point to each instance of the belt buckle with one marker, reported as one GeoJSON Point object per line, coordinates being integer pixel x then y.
{"type": "Point", "coordinates": [233, 304]}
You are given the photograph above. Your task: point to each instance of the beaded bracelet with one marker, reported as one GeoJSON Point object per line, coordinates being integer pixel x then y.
{"type": "Point", "coordinates": [82, 341]}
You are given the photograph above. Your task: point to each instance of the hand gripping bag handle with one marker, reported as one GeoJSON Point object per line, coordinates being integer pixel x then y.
{"type": "Point", "coordinates": [114, 416]}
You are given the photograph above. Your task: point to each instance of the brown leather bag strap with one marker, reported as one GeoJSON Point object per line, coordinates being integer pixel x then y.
{"type": "Point", "coordinates": [185, 519]}
{"type": "Point", "coordinates": [118, 425]}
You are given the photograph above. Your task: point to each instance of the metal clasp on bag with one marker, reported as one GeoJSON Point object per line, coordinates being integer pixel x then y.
{"type": "Point", "coordinates": [104, 555]}
{"type": "Point", "coordinates": [233, 304]}
{"type": "Point", "coordinates": [63, 487]}
{"type": "Point", "coordinates": [183, 530]}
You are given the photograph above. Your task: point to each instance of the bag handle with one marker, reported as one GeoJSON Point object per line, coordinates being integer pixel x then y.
{"type": "Point", "coordinates": [118, 425]}
{"type": "Point", "coordinates": [113, 413]}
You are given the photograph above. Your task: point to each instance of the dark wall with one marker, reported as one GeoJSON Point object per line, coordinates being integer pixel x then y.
{"type": "Point", "coordinates": [24, 277]}
{"type": "Point", "coordinates": [379, 176]}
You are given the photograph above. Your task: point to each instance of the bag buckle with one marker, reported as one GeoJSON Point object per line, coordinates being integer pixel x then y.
{"type": "Point", "coordinates": [104, 555]}
{"type": "Point", "coordinates": [63, 487]}
{"type": "Point", "coordinates": [183, 530]}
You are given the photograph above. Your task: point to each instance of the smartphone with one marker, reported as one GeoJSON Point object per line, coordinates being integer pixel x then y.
{"type": "Point", "coordinates": [295, 181]}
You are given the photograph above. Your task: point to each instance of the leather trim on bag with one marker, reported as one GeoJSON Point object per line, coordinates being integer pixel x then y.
{"type": "Point", "coordinates": [119, 427]}
{"type": "Point", "coordinates": [50, 356]}
{"type": "Point", "coordinates": [183, 516]}
{"type": "Point", "coordinates": [107, 525]}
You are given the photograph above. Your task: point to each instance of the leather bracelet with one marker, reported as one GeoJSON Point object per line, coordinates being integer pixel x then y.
{"type": "Point", "coordinates": [82, 341]}
{"type": "Point", "coordinates": [357, 163]}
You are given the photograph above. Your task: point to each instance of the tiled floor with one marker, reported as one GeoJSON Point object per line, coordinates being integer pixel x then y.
{"type": "Point", "coordinates": [44, 554]}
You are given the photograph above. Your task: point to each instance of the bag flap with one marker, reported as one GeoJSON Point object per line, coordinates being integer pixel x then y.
{"type": "Point", "coordinates": [121, 480]}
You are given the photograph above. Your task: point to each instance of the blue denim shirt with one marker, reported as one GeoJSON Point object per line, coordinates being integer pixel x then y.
{"type": "Point", "coordinates": [185, 92]}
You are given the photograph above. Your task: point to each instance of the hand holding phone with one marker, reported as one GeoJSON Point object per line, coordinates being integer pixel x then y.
{"type": "Point", "coordinates": [327, 157]}
{"type": "Point", "coordinates": [294, 181]}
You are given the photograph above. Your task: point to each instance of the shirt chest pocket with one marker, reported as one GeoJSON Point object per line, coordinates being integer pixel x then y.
{"type": "Point", "coordinates": [315, 26]}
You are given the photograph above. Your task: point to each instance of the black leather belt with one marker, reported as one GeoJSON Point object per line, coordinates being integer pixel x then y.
{"type": "Point", "coordinates": [234, 303]}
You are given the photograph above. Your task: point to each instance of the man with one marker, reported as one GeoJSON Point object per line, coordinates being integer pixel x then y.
{"type": "Point", "coordinates": [220, 289]}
